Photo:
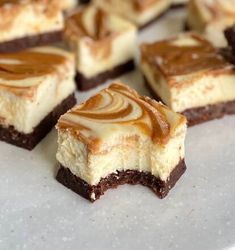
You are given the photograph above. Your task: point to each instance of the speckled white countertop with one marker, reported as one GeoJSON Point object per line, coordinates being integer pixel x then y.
{"type": "Point", "coordinates": [36, 212]}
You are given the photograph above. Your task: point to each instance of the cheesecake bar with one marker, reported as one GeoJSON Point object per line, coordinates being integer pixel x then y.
{"type": "Point", "coordinates": [139, 12]}
{"type": "Point", "coordinates": [118, 137]}
{"type": "Point", "coordinates": [29, 23]}
{"type": "Point", "coordinates": [211, 18]}
{"type": "Point", "coordinates": [36, 87]}
{"type": "Point", "coordinates": [189, 75]}
{"type": "Point", "coordinates": [104, 45]}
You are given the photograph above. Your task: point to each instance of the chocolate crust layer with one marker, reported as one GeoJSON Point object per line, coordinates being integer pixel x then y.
{"type": "Point", "coordinates": [84, 83]}
{"type": "Point", "coordinates": [133, 177]}
{"type": "Point", "coordinates": [29, 141]}
{"type": "Point", "coordinates": [177, 6]}
{"type": "Point", "coordinates": [202, 114]}
{"type": "Point", "coordinates": [30, 41]}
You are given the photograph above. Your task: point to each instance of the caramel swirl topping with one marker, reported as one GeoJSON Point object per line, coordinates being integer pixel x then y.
{"type": "Point", "coordinates": [115, 108]}
{"type": "Point", "coordinates": [141, 5]}
{"type": "Point", "coordinates": [174, 59]}
{"type": "Point", "coordinates": [19, 71]}
{"type": "Point", "coordinates": [89, 21]}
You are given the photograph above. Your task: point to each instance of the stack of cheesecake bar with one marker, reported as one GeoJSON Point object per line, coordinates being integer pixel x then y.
{"type": "Point", "coordinates": [117, 136]}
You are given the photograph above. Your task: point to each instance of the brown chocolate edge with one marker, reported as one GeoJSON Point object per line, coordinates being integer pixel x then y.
{"type": "Point", "coordinates": [177, 6]}
{"type": "Point", "coordinates": [85, 1]}
{"type": "Point", "coordinates": [202, 114]}
{"type": "Point", "coordinates": [133, 177]}
{"type": "Point", "coordinates": [84, 83]}
{"type": "Point", "coordinates": [29, 141]}
{"type": "Point", "coordinates": [30, 41]}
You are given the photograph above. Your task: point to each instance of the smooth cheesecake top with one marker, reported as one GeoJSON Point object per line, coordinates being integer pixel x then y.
{"type": "Point", "coordinates": [182, 55]}
{"type": "Point", "coordinates": [22, 72]}
{"type": "Point", "coordinates": [120, 110]}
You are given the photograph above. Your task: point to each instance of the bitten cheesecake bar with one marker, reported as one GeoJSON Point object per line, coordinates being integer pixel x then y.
{"type": "Point", "coordinates": [36, 87]}
{"type": "Point", "coordinates": [104, 45]}
{"type": "Point", "coordinates": [119, 137]}
{"type": "Point", "coordinates": [189, 75]}
{"type": "Point", "coordinates": [29, 23]}
{"type": "Point", "coordinates": [140, 12]}
{"type": "Point", "coordinates": [211, 18]}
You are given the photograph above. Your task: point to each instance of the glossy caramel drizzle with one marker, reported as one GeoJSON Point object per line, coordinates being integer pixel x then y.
{"type": "Point", "coordinates": [77, 25]}
{"type": "Point", "coordinates": [28, 64]}
{"type": "Point", "coordinates": [116, 105]}
{"type": "Point", "coordinates": [175, 60]}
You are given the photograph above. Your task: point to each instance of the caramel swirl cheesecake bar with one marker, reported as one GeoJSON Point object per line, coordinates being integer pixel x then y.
{"type": "Point", "coordinates": [139, 12]}
{"type": "Point", "coordinates": [36, 87]}
{"type": "Point", "coordinates": [118, 137]}
{"type": "Point", "coordinates": [29, 23]}
{"type": "Point", "coordinates": [189, 75]}
{"type": "Point", "coordinates": [104, 45]}
{"type": "Point", "coordinates": [211, 18]}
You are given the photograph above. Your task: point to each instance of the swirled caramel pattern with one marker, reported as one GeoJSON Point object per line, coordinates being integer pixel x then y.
{"type": "Point", "coordinates": [114, 109]}
{"type": "Point", "coordinates": [174, 59]}
{"type": "Point", "coordinates": [21, 72]}
{"type": "Point", "coordinates": [141, 5]}
{"type": "Point", "coordinates": [90, 22]}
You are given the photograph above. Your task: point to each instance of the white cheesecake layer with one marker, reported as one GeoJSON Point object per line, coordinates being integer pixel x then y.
{"type": "Point", "coordinates": [122, 49]}
{"type": "Point", "coordinates": [143, 156]}
{"type": "Point", "coordinates": [194, 90]}
{"type": "Point", "coordinates": [94, 56]}
{"type": "Point", "coordinates": [138, 17]}
{"type": "Point", "coordinates": [38, 96]}
{"type": "Point", "coordinates": [211, 18]}
{"type": "Point", "coordinates": [117, 130]}
{"type": "Point", "coordinates": [29, 19]}
{"type": "Point", "coordinates": [68, 4]}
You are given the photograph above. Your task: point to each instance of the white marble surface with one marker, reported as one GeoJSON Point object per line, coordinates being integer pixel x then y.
{"type": "Point", "coordinates": [37, 212]}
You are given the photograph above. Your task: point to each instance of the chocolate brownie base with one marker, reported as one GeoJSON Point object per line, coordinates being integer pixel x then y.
{"type": "Point", "coordinates": [30, 41]}
{"type": "Point", "coordinates": [230, 37]}
{"type": "Point", "coordinates": [29, 141]}
{"type": "Point", "coordinates": [202, 114]}
{"type": "Point", "coordinates": [133, 177]}
{"type": "Point", "coordinates": [179, 5]}
{"type": "Point", "coordinates": [84, 1]}
{"type": "Point", "coordinates": [84, 83]}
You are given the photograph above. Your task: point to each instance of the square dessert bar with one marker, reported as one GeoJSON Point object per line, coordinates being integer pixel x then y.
{"type": "Point", "coordinates": [104, 45]}
{"type": "Point", "coordinates": [141, 13]}
{"type": "Point", "coordinates": [118, 137]}
{"type": "Point", "coordinates": [189, 75]}
{"type": "Point", "coordinates": [29, 23]}
{"type": "Point", "coordinates": [211, 18]}
{"type": "Point", "coordinates": [36, 87]}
